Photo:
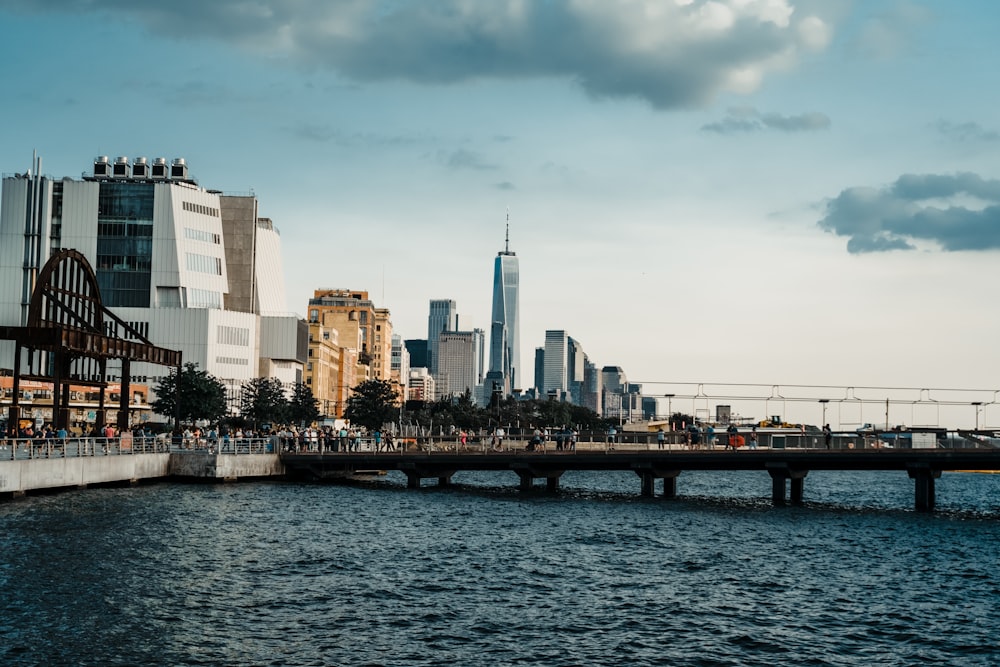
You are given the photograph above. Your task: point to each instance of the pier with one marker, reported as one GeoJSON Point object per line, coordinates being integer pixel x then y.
{"type": "Point", "coordinates": [787, 469]}
{"type": "Point", "coordinates": [32, 465]}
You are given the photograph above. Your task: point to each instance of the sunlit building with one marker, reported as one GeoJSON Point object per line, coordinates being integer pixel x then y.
{"type": "Point", "coordinates": [191, 269]}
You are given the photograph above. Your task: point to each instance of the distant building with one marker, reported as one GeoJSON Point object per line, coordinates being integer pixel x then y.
{"type": "Point", "coordinates": [443, 316]}
{"type": "Point", "coordinates": [400, 366]}
{"type": "Point", "coordinates": [364, 334]}
{"type": "Point", "coordinates": [554, 376]}
{"type": "Point", "coordinates": [539, 370]}
{"type": "Point", "coordinates": [418, 352]}
{"type": "Point", "coordinates": [505, 349]}
{"type": "Point", "coordinates": [460, 363]}
{"type": "Point", "coordinates": [592, 394]}
{"type": "Point", "coordinates": [192, 269]}
{"type": "Point", "coordinates": [421, 385]}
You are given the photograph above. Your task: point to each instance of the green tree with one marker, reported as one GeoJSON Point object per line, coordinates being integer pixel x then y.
{"type": "Point", "coordinates": [201, 396]}
{"type": "Point", "coordinates": [372, 404]}
{"type": "Point", "coordinates": [263, 401]}
{"type": "Point", "coordinates": [303, 408]}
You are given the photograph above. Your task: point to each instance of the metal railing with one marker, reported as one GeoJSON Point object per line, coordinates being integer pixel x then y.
{"type": "Point", "coordinates": [18, 449]}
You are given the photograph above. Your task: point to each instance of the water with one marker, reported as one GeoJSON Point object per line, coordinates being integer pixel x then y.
{"type": "Point", "coordinates": [481, 574]}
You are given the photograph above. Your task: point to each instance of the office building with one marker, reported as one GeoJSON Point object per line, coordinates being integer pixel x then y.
{"type": "Point", "coordinates": [505, 349]}
{"type": "Point", "coordinates": [443, 316]}
{"type": "Point", "coordinates": [460, 365]}
{"type": "Point", "coordinates": [554, 377]}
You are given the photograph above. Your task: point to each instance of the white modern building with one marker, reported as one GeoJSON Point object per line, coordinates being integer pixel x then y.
{"type": "Point", "coordinates": [192, 269]}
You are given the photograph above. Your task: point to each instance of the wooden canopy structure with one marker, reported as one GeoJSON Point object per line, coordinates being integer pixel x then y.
{"type": "Point", "coordinates": [69, 338]}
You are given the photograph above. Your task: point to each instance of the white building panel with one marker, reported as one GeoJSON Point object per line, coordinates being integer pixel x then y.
{"type": "Point", "coordinates": [269, 271]}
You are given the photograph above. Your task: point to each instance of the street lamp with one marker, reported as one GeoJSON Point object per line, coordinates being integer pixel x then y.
{"type": "Point", "coordinates": [823, 402]}
{"type": "Point", "coordinates": [670, 412]}
{"type": "Point", "coordinates": [976, 404]}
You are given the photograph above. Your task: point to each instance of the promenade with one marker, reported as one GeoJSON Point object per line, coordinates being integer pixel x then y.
{"type": "Point", "coordinates": [31, 465]}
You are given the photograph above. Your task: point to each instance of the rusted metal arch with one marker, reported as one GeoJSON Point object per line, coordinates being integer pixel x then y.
{"type": "Point", "coordinates": [68, 323]}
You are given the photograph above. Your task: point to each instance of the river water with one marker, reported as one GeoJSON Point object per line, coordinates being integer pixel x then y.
{"type": "Point", "coordinates": [482, 574]}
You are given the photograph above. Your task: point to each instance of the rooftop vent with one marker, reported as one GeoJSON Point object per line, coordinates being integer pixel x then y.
{"type": "Point", "coordinates": [140, 168]}
{"type": "Point", "coordinates": [120, 168]}
{"type": "Point", "coordinates": [101, 166]}
{"type": "Point", "coordinates": [178, 170]}
{"type": "Point", "coordinates": [159, 170]}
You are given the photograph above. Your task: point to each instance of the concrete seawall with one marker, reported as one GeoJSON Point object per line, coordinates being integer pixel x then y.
{"type": "Point", "coordinates": [20, 476]}
{"type": "Point", "coordinates": [203, 465]}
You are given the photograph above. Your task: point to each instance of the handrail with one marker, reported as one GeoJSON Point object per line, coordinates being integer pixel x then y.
{"type": "Point", "coordinates": [17, 449]}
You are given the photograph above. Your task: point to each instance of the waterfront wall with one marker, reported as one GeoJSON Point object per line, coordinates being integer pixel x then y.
{"type": "Point", "coordinates": [205, 465]}
{"type": "Point", "coordinates": [22, 475]}
{"type": "Point", "coordinates": [30, 474]}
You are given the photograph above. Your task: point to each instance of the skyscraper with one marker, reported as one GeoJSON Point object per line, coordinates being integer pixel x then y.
{"type": "Point", "coordinates": [442, 317]}
{"type": "Point", "coordinates": [554, 378]}
{"type": "Point", "coordinates": [460, 363]}
{"type": "Point", "coordinates": [505, 348]}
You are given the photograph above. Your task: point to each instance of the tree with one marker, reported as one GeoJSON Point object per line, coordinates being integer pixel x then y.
{"type": "Point", "coordinates": [303, 408]}
{"type": "Point", "coordinates": [263, 401]}
{"type": "Point", "coordinates": [201, 396]}
{"type": "Point", "coordinates": [372, 404]}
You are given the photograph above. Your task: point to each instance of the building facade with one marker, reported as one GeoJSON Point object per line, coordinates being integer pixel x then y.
{"type": "Point", "coordinates": [191, 269]}
{"type": "Point", "coordinates": [460, 366]}
{"type": "Point", "coordinates": [505, 347]}
{"type": "Point", "coordinates": [443, 316]}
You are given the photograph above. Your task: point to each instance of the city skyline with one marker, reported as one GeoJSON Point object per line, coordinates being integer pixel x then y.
{"type": "Point", "coordinates": [780, 192]}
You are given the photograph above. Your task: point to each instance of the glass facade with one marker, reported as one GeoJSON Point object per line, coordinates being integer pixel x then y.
{"type": "Point", "coordinates": [125, 243]}
{"type": "Point", "coordinates": [505, 349]}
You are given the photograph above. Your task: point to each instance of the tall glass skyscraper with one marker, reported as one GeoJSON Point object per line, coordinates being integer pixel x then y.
{"type": "Point", "coordinates": [505, 348]}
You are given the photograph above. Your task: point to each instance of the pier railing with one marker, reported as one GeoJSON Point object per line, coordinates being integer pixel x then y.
{"type": "Point", "coordinates": [15, 449]}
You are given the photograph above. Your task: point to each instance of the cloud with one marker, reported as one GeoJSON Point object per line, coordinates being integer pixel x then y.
{"type": "Point", "coordinates": [466, 159]}
{"type": "Point", "coordinates": [748, 119]}
{"type": "Point", "coordinates": [955, 212]}
{"type": "Point", "coordinates": [966, 132]}
{"type": "Point", "coordinates": [505, 185]}
{"type": "Point", "coordinates": [673, 54]}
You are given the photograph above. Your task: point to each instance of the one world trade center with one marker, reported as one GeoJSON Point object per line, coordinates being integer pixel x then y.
{"type": "Point", "coordinates": [505, 348]}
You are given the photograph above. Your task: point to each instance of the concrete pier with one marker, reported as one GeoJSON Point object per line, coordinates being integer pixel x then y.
{"type": "Point", "coordinates": [20, 476]}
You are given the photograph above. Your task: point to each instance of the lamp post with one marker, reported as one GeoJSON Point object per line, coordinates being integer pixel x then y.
{"type": "Point", "coordinates": [670, 412]}
{"type": "Point", "coordinates": [975, 405]}
{"type": "Point", "coordinates": [823, 402]}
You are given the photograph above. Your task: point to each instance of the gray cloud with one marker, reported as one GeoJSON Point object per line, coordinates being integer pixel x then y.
{"type": "Point", "coordinates": [466, 159]}
{"type": "Point", "coordinates": [966, 132]}
{"type": "Point", "coordinates": [955, 212]}
{"type": "Point", "coordinates": [670, 54]}
{"type": "Point", "coordinates": [505, 185]}
{"type": "Point", "coordinates": [748, 119]}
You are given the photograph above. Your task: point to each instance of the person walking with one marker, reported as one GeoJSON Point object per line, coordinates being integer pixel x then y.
{"type": "Point", "coordinates": [827, 435]}
{"type": "Point", "coordinates": [753, 438]}
{"type": "Point", "coordinates": [660, 438]}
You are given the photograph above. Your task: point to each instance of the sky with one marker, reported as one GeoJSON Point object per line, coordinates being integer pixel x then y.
{"type": "Point", "coordinates": [768, 198]}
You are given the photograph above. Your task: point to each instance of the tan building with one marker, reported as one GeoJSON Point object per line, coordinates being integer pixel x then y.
{"type": "Point", "coordinates": [322, 372]}
{"type": "Point", "coordinates": [364, 340]}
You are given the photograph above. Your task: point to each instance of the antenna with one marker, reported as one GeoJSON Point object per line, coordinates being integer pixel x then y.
{"type": "Point", "coordinates": [506, 244]}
